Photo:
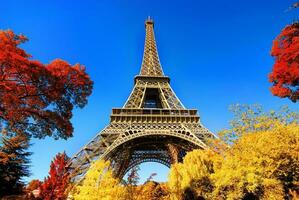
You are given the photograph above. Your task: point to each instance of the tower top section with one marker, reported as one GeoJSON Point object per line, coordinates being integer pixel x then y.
{"type": "Point", "coordinates": [149, 20]}
{"type": "Point", "coordinates": [151, 65]}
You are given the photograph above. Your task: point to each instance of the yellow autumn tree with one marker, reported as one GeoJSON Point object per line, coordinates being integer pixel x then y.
{"type": "Point", "coordinates": [192, 178]}
{"type": "Point", "coordinates": [251, 118]}
{"type": "Point", "coordinates": [175, 179]}
{"type": "Point", "coordinates": [262, 162]}
{"type": "Point", "coordinates": [99, 184]}
{"type": "Point", "coordinates": [152, 191]}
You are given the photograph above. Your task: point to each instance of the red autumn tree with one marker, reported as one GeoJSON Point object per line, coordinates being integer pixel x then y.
{"type": "Point", "coordinates": [55, 185]}
{"type": "Point", "coordinates": [33, 190]}
{"type": "Point", "coordinates": [37, 99]}
{"type": "Point", "coordinates": [33, 185]}
{"type": "Point", "coordinates": [285, 74]}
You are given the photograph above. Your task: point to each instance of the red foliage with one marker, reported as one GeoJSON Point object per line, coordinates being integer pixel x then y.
{"type": "Point", "coordinates": [33, 185]}
{"type": "Point", "coordinates": [38, 99]}
{"type": "Point", "coordinates": [55, 185]}
{"type": "Point", "coordinates": [285, 74]}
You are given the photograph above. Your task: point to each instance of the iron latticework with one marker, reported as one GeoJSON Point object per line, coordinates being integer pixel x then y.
{"type": "Point", "coordinates": [152, 126]}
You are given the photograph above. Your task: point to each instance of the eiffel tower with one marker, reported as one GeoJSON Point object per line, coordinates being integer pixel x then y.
{"type": "Point", "coordinates": [152, 126]}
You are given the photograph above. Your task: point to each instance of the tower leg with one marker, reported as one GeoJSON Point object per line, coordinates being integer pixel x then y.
{"type": "Point", "coordinates": [122, 163]}
{"type": "Point", "coordinates": [174, 153]}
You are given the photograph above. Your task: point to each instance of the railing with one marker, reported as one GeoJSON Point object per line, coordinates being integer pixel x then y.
{"type": "Point", "coordinates": [165, 112]}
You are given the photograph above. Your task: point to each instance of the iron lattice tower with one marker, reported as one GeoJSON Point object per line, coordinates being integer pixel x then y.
{"type": "Point", "coordinates": [152, 126]}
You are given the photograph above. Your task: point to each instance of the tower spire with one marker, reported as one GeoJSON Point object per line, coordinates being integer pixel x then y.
{"type": "Point", "coordinates": [151, 65]}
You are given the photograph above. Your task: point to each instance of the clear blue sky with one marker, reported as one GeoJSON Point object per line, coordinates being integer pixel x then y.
{"type": "Point", "coordinates": [216, 53]}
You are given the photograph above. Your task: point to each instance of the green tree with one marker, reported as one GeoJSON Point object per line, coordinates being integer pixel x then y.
{"type": "Point", "coordinates": [14, 163]}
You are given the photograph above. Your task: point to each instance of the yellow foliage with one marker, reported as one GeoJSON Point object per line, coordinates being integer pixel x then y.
{"type": "Point", "coordinates": [152, 191]}
{"type": "Point", "coordinates": [273, 189]}
{"type": "Point", "coordinates": [251, 118]}
{"type": "Point", "coordinates": [99, 184]}
{"type": "Point", "coordinates": [194, 174]}
{"type": "Point", "coordinates": [175, 181]}
{"type": "Point", "coordinates": [262, 163]}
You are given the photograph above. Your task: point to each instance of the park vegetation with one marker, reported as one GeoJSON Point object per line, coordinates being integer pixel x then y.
{"type": "Point", "coordinates": [36, 100]}
{"type": "Point", "coordinates": [262, 161]}
{"type": "Point", "coordinates": [255, 158]}
{"type": "Point", "coordinates": [14, 164]}
{"type": "Point", "coordinates": [285, 73]}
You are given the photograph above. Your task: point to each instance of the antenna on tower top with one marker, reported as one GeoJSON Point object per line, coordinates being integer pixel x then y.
{"type": "Point", "coordinates": [149, 20]}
